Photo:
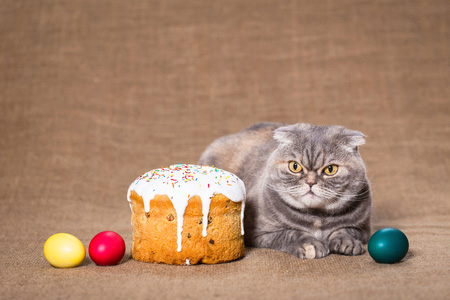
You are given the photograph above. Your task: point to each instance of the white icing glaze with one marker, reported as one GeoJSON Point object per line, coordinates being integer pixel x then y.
{"type": "Point", "coordinates": [181, 182]}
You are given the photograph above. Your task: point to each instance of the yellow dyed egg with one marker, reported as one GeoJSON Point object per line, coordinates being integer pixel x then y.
{"type": "Point", "coordinates": [63, 250]}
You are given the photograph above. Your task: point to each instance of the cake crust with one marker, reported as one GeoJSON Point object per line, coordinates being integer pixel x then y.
{"type": "Point", "coordinates": [155, 232]}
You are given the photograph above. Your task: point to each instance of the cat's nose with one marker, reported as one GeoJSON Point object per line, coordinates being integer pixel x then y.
{"type": "Point", "coordinates": [311, 183]}
{"type": "Point", "coordinates": [310, 179]}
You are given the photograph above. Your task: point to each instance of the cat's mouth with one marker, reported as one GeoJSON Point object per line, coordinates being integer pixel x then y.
{"type": "Point", "coordinates": [309, 193]}
{"type": "Point", "coordinates": [312, 200]}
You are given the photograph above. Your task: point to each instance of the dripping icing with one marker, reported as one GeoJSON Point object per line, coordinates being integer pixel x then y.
{"type": "Point", "coordinates": [181, 182]}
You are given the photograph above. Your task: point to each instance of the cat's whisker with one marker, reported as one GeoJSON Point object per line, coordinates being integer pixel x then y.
{"type": "Point", "coordinates": [345, 194]}
{"type": "Point", "coordinates": [291, 190]}
{"type": "Point", "coordinates": [276, 188]}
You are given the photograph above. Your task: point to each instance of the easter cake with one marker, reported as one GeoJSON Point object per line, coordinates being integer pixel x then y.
{"type": "Point", "coordinates": [187, 214]}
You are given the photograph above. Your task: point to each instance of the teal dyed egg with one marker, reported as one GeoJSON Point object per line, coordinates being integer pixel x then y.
{"type": "Point", "coordinates": [388, 245]}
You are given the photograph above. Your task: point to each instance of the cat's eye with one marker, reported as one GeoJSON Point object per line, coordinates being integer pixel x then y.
{"type": "Point", "coordinates": [330, 170]}
{"type": "Point", "coordinates": [295, 167]}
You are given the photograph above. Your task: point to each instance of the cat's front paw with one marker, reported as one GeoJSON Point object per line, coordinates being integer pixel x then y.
{"type": "Point", "coordinates": [312, 249]}
{"type": "Point", "coordinates": [346, 245]}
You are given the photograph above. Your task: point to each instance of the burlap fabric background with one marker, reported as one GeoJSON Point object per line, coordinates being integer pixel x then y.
{"type": "Point", "coordinates": [94, 93]}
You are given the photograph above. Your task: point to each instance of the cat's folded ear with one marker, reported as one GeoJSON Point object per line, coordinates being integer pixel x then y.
{"type": "Point", "coordinates": [287, 134]}
{"type": "Point", "coordinates": [354, 139]}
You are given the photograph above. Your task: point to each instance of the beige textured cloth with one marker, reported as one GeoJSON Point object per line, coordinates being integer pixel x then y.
{"type": "Point", "coordinates": [94, 93]}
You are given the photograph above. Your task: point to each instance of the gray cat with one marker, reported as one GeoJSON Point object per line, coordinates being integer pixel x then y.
{"type": "Point", "coordinates": [307, 190]}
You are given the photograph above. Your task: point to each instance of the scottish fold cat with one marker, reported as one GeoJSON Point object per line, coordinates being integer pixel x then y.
{"type": "Point", "coordinates": [307, 189]}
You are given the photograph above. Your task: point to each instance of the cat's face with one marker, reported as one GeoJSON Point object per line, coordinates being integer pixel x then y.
{"type": "Point", "coordinates": [317, 166]}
